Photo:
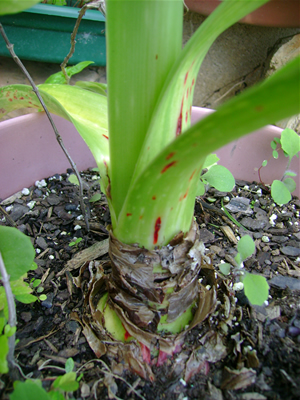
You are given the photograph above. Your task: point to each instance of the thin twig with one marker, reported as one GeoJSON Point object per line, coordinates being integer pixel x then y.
{"type": "Point", "coordinates": [108, 372]}
{"type": "Point", "coordinates": [12, 316]}
{"type": "Point", "coordinates": [58, 137]}
{"type": "Point", "coordinates": [73, 42]}
{"type": "Point", "coordinates": [100, 4]}
{"type": "Point", "coordinates": [8, 217]}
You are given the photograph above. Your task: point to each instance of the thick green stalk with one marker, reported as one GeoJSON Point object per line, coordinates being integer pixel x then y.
{"type": "Point", "coordinates": [143, 41]}
{"type": "Point", "coordinates": [160, 202]}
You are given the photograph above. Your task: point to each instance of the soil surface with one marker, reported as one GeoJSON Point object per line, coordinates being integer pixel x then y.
{"type": "Point", "coordinates": [264, 357]}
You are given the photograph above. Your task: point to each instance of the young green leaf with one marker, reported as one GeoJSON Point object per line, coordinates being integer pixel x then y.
{"type": "Point", "coordinates": [210, 160]}
{"type": "Point", "coordinates": [245, 247]}
{"type": "Point", "coordinates": [275, 143]}
{"type": "Point", "coordinates": [220, 178]}
{"type": "Point", "coordinates": [73, 179]}
{"type": "Point", "coordinates": [290, 142]}
{"type": "Point", "coordinates": [29, 390]}
{"type": "Point", "coordinates": [290, 184]}
{"type": "Point", "coordinates": [17, 252]}
{"type": "Point", "coordinates": [280, 193]}
{"type": "Point", "coordinates": [290, 173]}
{"type": "Point", "coordinates": [69, 367]}
{"type": "Point", "coordinates": [66, 382]}
{"type": "Point", "coordinates": [96, 87]}
{"type": "Point", "coordinates": [16, 6]}
{"type": "Point", "coordinates": [256, 289]}
{"type": "Point", "coordinates": [225, 268]}
{"type": "Point", "coordinates": [275, 154]}
{"type": "Point", "coordinates": [95, 197]}
{"type": "Point", "coordinates": [59, 77]}
{"type": "Point", "coordinates": [200, 188]}
{"type": "Point", "coordinates": [264, 163]}
{"type": "Point", "coordinates": [3, 354]}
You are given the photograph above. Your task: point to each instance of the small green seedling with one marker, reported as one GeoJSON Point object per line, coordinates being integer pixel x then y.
{"type": "Point", "coordinates": [289, 142]}
{"type": "Point", "coordinates": [33, 390]}
{"type": "Point", "coordinates": [216, 176]}
{"type": "Point", "coordinates": [75, 242]}
{"type": "Point", "coordinates": [36, 285]}
{"type": "Point", "coordinates": [255, 286]}
{"type": "Point", "coordinates": [17, 264]}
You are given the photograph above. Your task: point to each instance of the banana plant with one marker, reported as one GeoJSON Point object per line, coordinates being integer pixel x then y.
{"type": "Point", "coordinates": [150, 159]}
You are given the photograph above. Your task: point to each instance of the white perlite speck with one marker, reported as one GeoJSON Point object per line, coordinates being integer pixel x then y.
{"type": "Point", "coordinates": [40, 184]}
{"type": "Point", "coordinates": [31, 204]}
{"type": "Point", "coordinates": [238, 286]}
{"type": "Point", "coordinates": [25, 191]}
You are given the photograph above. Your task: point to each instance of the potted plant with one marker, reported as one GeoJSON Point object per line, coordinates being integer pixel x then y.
{"type": "Point", "coordinates": [42, 33]}
{"type": "Point", "coordinates": [276, 13]}
{"type": "Point", "coordinates": [150, 160]}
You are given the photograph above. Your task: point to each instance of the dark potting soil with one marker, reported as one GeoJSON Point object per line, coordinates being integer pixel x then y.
{"type": "Point", "coordinates": [264, 357]}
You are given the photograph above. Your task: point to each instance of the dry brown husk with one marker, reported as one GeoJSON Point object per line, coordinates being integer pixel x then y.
{"type": "Point", "coordinates": [139, 297]}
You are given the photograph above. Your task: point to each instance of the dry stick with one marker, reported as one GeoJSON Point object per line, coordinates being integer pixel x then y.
{"type": "Point", "coordinates": [58, 137]}
{"type": "Point", "coordinates": [100, 4]}
{"type": "Point", "coordinates": [12, 318]}
{"type": "Point", "coordinates": [73, 42]}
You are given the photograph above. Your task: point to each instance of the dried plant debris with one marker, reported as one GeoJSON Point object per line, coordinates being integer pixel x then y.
{"type": "Point", "coordinates": [237, 351]}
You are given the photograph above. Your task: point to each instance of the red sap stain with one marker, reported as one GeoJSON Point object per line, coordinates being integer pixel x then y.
{"type": "Point", "coordinates": [179, 121]}
{"type": "Point", "coordinates": [156, 57]}
{"type": "Point", "coordinates": [7, 94]}
{"type": "Point", "coordinates": [128, 214]}
{"type": "Point", "coordinates": [170, 155]}
{"type": "Point", "coordinates": [21, 98]}
{"type": "Point", "coordinates": [156, 230]}
{"type": "Point", "coordinates": [193, 82]}
{"type": "Point", "coordinates": [105, 163]}
{"type": "Point", "coordinates": [15, 97]}
{"type": "Point", "coordinates": [185, 78]}
{"type": "Point", "coordinates": [30, 102]}
{"type": "Point", "coordinates": [168, 166]}
{"type": "Point", "coordinates": [106, 137]}
{"type": "Point", "coordinates": [192, 175]}
{"type": "Point", "coordinates": [187, 94]}
{"type": "Point", "coordinates": [153, 197]}
{"type": "Point", "coordinates": [145, 353]}
{"type": "Point", "coordinates": [126, 335]}
{"type": "Point", "coordinates": [186, 193]}
{"type": "Point", "coordinates": [186, 116]}
{"type": "Point", "coordinates": [10, 99]}
{"type": "Point", "coordinates": [141, 216]}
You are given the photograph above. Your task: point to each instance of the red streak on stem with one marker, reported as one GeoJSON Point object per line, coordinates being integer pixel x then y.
{"type": "Point", "coordinates": [185, 78]}
{"type": "Point", "coordinates": [153, 197]}
{"type": "Point", "coordinates": [126, 335]}
{"type": "Point", "coordinates": [170, 155]}
{"type": "Point", "coordinates": [192, 175]}
{"type": "Point", "coordinates": [179, 121]}
{"type": "Point", "coordinates": [128, 214]}
{"type": "Point", "coordinates": [168, 166]}
{"type": "Point", "coordinates": [106, 137]}
{"type": "Point", "coordinates": [156, 230]}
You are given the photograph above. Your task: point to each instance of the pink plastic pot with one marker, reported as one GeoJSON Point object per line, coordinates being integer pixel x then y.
{"type": "Point", "coordinates": [277, 13]}
{"type": "Point", "coordinates": [29, 152]}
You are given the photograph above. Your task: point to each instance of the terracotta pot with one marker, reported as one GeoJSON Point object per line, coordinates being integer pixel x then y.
{"type": "Point", "coordinates": [277, 13]}
{"type": "Point", "coordinates": [29, 152]}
